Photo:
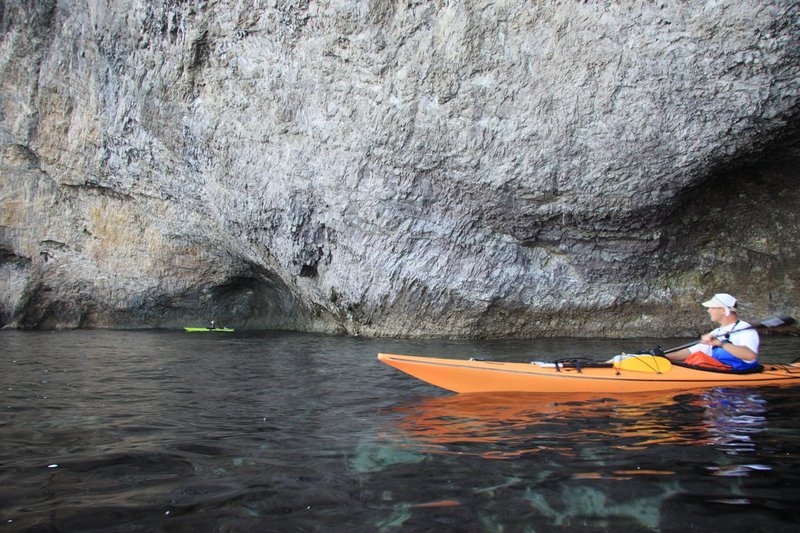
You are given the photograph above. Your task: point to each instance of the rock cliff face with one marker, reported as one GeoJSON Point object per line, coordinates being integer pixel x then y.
{"type": "Point", "coordinates": [478, 168]}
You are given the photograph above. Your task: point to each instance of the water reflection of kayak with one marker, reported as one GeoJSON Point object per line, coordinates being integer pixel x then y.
{"type": "Point", "coordinates": [503, 425]}
{"type": "Point", "coordinates": [196, 330]}
{"type": "Point", "coordinates": [635, 374]}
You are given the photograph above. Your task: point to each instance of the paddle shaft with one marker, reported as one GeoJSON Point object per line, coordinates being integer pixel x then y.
{"type": "Point", "coordinates": [768, 323]}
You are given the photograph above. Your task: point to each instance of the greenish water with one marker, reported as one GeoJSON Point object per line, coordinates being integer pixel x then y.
{"type": "Point", "coordinates": [171, 431]}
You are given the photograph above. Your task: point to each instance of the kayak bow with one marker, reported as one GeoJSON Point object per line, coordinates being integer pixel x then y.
{"type": "Point", "coordinates": [495, 376]}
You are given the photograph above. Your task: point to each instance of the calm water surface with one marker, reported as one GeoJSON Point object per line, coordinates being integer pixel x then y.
{"type": "Point", "coordinates": [169, 431]}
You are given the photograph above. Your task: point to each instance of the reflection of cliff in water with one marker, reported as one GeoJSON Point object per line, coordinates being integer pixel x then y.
{"type": "Point", "coordinates": [503, 426]}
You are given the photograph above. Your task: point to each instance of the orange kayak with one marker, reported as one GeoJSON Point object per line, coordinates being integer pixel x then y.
{"type": "Point", "coordinates": [634, 374]}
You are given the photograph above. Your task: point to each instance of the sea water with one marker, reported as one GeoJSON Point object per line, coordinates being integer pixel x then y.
{"type": "Point", "coordinates": [174, 431]}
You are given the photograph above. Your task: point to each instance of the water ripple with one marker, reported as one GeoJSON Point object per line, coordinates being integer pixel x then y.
{"type": "Point", "coordinates": [164, 431]}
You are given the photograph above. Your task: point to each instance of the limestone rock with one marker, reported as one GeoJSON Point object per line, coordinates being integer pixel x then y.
{"type": "Point", "coordinates": [471, 169]}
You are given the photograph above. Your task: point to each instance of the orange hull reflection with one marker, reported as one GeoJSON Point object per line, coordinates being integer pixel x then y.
{"type": "Point", "coordinates": [505, 426]}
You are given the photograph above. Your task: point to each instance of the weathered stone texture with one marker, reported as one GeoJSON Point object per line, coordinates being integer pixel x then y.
{"type": "Point", "coordinates": [478, 168]}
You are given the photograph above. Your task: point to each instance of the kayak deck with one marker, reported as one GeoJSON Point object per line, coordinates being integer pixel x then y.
{"type": "Point", "coordinates": [470, 376]}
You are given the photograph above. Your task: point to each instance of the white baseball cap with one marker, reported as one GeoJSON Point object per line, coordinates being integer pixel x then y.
{"type": "Point", "coordinates": [726, 301]}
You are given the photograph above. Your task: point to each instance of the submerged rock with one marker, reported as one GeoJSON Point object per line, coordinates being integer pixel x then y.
{"type": "Point", "coordinates": [419, 168]}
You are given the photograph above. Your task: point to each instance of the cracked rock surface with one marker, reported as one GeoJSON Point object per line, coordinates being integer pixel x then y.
{"type": "Point", "coordinates": [420, 168]}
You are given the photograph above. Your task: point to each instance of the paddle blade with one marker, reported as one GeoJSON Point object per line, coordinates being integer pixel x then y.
{"type": "Point", "coordinates": [643, 363]}
{"type": "Point", "coordinates": [777, 321]}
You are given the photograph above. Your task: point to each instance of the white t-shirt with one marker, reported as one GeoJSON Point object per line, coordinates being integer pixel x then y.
{"type": "Point", "coordinates": [747, 337]}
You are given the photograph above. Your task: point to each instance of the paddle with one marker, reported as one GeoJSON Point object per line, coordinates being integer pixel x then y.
{"type": "Point", "coordinates": [773, 322]}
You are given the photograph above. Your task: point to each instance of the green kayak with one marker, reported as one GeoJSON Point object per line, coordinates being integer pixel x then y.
{"type": "Point", "coordinates": [194, 330]}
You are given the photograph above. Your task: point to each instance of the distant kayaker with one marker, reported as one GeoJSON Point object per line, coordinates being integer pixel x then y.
{"type": "Point", "coordinates": [729, 347]}
{"type": "Point", "coordinates": [212, 325]}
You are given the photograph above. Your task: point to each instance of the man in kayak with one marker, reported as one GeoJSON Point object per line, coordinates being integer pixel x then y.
{"type": "Point", "coordinates": [730, 346]}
